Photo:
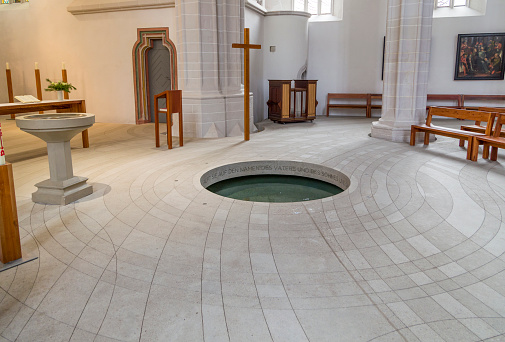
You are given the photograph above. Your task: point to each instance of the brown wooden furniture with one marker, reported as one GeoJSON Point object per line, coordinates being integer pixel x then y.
{"type": "Point", "coordinates": [463, 114]}
{"type": "Point", "coordinates": [353, 101]}
{"type": "Point", "coordinates": [74, 106]}
{"type": "Point", "coordinates": [495, 141]}
{"type": "Point", "coordinates": [287, 104]}
{"type": "Point", "coordinates": [174, 105]}
{"type": "Point", "coordinates": [10, 244]}
{"type": "Point", "coordinates": [362, 100]}
{"type": "Point", "coordinates": [480, 98]}
{"type": "Point", "coordinates": [477, 127]}
{"type": "Point", "coordinates": [456, 100]}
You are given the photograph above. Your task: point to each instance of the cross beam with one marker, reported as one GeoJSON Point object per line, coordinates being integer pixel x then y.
{"type": "Point", "coordinates": [246, 46]}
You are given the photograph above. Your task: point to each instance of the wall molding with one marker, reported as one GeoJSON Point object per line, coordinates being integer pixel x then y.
{"type": "Point", "coordinates": [140, 75]}
{"type": "Point", "coordinates": [84, 6]}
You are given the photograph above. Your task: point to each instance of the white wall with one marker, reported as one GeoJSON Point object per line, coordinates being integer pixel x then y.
{"type": "Point", "coordinates": [254, 21]}
{"type": "Point", "coordinates": [346, 56]}
{"type": "Point", "coordinates": [443, 51]}
{"type": "Point", "coordinates": [96, 49]}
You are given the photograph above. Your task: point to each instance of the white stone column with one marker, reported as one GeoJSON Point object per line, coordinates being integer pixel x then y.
{"type": "Point", "coordinates": [209, 68]}
{"type": "Point", "coordinates": [406, 66]}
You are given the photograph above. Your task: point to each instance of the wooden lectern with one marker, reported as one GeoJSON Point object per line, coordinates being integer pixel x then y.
{"type": "Point", "coordinates": [174, 105]}
{"type": "Point", "coordinates": [287, 104]}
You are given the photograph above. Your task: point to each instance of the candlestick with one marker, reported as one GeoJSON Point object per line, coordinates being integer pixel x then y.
{"type": "Point", "coordinates": [7, 66]}
{"type": "Point", "coordinates": [36, 65]}
{"type": "Point", "coordinates": [63, 65]}
{"type": "Point", "coordinates": [2, 152]}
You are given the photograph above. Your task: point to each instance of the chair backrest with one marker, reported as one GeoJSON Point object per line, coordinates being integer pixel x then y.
{"type": "Point", "coordinates": [464, 114]}
{"type": "Point", "coordinates": [174, 100]}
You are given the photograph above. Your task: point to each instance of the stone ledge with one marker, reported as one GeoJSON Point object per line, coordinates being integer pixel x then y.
{"type": "Point", "coordinates": [99, 6]}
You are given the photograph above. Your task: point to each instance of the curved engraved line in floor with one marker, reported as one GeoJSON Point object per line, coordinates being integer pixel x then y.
{"type": "Point", "coordinates": [282, 281]}
{"type": "Point", "coordinates": [351, 275]}
{"type": "Point", "coordinates": [157, 265]}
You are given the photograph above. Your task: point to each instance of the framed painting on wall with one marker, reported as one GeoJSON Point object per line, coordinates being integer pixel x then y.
{"type": "Point", "coordinates": [480, 56]}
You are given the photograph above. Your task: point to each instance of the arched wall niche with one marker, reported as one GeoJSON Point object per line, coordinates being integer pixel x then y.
{"type": "Point", "coordinates": [140, 73]}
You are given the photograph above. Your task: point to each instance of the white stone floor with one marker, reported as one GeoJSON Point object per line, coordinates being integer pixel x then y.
{"type": "Point", "coordinates": [413, 251]}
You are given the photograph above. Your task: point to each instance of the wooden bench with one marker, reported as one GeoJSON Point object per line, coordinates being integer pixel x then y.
{"type": "Point", "coordinates": [449, 101]}
{"type": "Point", "coordinates": [455, 99]}
{"type": "Point", "coordinates": [463, 114]}
{"type": "Point", "coordinates": [354, 98]}
{"type": "Point", "coordinates": [477, 127]}
{"type": "Point", "coordinates": [495, 141]}
{"type": "Point", "coordinates": [466, 98]}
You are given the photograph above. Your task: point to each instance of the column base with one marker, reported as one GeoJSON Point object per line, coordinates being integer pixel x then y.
{"type": "Point", "coordinates": [215, 116]}
{"type": "Point", "coordinates": [386, 132]}
{"type": "Point", "coordinates": [62, 192]}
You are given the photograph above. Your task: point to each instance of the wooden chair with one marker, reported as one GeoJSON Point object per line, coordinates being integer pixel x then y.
{"type": "Point", "coordinates": [495, 141]}
{"type": "Point", "coordinates": [174, 105]}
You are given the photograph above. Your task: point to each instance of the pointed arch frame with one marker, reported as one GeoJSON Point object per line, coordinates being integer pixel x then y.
{"type": "Point", "coordinates": [140, 74]}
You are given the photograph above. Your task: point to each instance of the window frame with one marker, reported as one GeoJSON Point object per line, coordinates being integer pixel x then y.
{"type": "Point", "coordinates": [306, 7]}
{"type": "Point", "coordinates": [14, 2]}
{"type": "Point", "coordinates": [451, 4]}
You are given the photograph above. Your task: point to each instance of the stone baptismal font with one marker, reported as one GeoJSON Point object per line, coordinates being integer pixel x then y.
{"type": "Point", "coordinates": [56, 130]}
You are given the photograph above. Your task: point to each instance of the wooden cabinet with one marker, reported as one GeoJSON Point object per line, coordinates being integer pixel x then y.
{"type": "Point", "coordinates": [292, 104]}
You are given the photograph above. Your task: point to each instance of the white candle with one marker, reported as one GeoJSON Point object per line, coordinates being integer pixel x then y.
{"type": "Point", "coordinates": [36, 65]}
{"type": "Point", "coordinates": [7, 66]}
{"type": "Point", "coordinates": [63, 65]}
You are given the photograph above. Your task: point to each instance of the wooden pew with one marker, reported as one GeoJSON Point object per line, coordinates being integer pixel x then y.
{"type": "Point", "coordinates": [463, 114]}
{"type": "Point", "coordinates": [495, 141]}
{"type": "Point", "coordinates": [366, 101]}
{"type": "Point", "coordinates": [477, 127]}
{"type": "Point", "coordinates": [355, 98]}
{"type": "Point", "coordinates": [456, 100]}
{"type": "Point", "coordinates": [465, 98]}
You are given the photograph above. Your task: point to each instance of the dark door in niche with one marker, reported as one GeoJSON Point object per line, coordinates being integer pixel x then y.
{"type": "Point", "coordinates": [158, 69]}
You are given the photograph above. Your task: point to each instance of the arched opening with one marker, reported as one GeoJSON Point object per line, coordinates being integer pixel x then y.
{"type": "Point", "coordinates": [147, 76]}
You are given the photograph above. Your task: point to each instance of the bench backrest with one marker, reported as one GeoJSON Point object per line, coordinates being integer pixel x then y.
{"type": "Point", "coordinates": [492, 109]}
{"type": "Point", "coordinates": [464, 114]}
{"type": "Point", "coordinates": [500, 121]}
{"type": "Point", "coordinates": [347, 96]}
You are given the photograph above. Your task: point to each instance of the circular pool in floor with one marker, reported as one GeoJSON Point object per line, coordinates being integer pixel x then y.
{"type": "Point", "coordinates": [275, 181]}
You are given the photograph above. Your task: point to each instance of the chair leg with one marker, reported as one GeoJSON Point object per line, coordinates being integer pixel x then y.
{"type": "Point", "coordinates": [485, 151]}
{"type": "Point", "coordinates": [494, 153]}
{"type": "Point", "coordinates": [426, 138]}
{"type": "Point", "coordinates": [169, 129]}
{"type": "Point", "coordinates": [412, 137]}
{"type": "Point", "coordinates": [473, 148]}
{"type": "Point", "coordinates": [462, 142]}
{"type": "Point", "coordinates": [157, 127]}
{"type": "Point", "coordinates": [181, 138]}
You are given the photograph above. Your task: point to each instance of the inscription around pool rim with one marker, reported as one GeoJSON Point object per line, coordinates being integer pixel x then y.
{"type": "Point", "coordinates": [275, 167]}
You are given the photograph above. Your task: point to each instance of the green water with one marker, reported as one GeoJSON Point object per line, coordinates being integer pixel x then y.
{"type": "Point", "coordinates": [274, 188]}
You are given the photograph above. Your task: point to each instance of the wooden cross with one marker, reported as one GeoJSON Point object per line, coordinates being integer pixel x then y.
{"type": "Point", "coordinates": [246, 46]}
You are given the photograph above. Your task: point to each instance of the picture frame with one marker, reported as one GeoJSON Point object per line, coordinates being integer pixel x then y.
{"type": "Point", "coordinates": [480, 56]}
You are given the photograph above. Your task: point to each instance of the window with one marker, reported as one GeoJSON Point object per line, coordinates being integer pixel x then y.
{"type": "Point", "coordinates": [450, 3]}
{"type": "Point", "coordinates": [314, 7]}
{"type": "Point", "coordinates": [2, 2]}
